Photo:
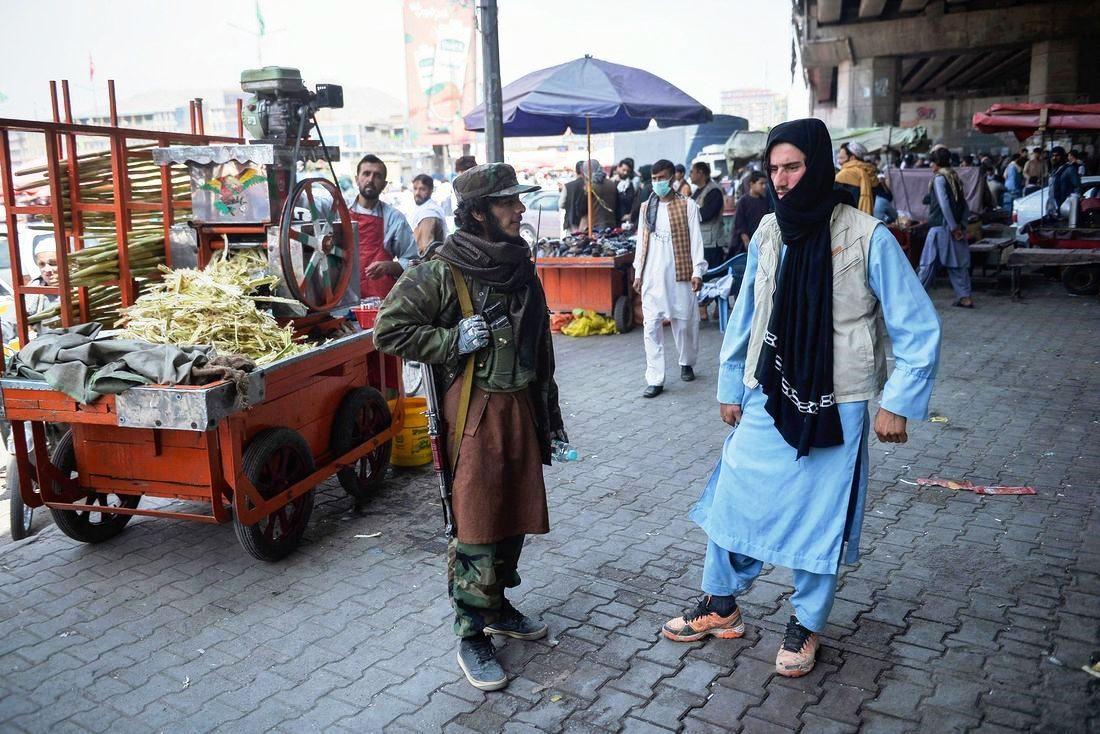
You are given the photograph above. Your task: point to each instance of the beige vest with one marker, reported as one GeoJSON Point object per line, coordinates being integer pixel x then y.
{"type": "Point", "coordinates": [859, 331]}
{"type": "Point", "coordinates": [712, 230]}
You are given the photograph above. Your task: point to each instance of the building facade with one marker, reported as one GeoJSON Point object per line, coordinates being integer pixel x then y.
{"type": "Point", "coordinates": [935, 63]}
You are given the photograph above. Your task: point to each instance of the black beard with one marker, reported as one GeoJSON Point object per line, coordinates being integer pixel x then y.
{"type": "Point", "coordinates": [494, 233]}
{"type": "Point", "coordinates": [420, 201]}
{"type": "Point", "coordinates": [365, 195]}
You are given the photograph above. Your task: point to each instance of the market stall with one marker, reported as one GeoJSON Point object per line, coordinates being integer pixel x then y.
{"type": "Point", "coordinates": [595, 96]}
{"type": "Point", "coordinates": [272, 389]}
{"type": "Point", "coordinates": [1068, 240]}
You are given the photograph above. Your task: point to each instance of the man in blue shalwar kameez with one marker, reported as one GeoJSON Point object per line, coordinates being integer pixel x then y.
{"type": "Point", "coordinates": [804, 353]}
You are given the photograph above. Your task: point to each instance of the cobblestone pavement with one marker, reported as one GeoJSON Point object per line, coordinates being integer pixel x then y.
{"type": "Point", "coordinates": [967, 613]}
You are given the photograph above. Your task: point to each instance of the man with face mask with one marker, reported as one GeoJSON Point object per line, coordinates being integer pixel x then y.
{"type": "Point", "coordinates": [428, 221]}
{"type": "Point", "coordinates": [804, 353]}
{"type": "Point", "coordinates": [668, 267]}
{"type": "Point", "coordinates": [386, 243]}
{"type": "Point", "coordinates": [494, 353]}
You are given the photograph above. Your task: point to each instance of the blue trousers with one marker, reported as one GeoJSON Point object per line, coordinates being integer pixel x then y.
{"type": "Point", "coordinates": [726, 573]}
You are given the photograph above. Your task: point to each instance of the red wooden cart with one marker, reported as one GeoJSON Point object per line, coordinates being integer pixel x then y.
{"type": "Point", "coordinates": [252, 452]}
{"type": "Point", "coordinates": [602, 284]}
{"type": "Point", "coordinates": [254, 456]}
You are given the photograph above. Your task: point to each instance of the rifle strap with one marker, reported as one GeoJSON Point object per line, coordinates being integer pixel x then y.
{"type": "Point", "coordinates": [467, 307]}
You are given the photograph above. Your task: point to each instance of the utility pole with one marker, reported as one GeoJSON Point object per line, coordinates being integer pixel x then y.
{"type": "Point", "coordinates": [490, 55]}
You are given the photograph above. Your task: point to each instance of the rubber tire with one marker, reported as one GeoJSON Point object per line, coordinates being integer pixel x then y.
{"type": "Point", "coordinates": [345, 436]}
{"type": "Point", "coordinates": [71, 523]}
{"type": "Point", "coordinates": [21, 524]}
{"type": "Point", "coordinates": [623, 313]}
{"type": "Point", "coordinates": [1082, 280]}
{"type": "Point", "coordinates": [257, 455]}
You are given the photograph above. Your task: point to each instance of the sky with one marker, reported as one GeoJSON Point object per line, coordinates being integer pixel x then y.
{"type": "Point", "coordinates": [702, 46]}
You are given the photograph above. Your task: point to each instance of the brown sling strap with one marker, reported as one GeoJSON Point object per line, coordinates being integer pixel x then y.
{"type": "Point", "coordinates": [467, 308]}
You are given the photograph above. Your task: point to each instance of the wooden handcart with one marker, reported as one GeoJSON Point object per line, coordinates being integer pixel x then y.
{"type": "Point", "coordinates": [253, 453]}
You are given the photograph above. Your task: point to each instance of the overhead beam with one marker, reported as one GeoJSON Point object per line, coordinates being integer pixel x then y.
{"type": "Point", "coordinates": [997, 70]}
{"type": "Point", "coordinates": [944, 75]}
{"type": "Point", "coordinates": [984, 64]}
{"type": "Point", "coordinates": [828, 11]}
{"type": "Point", "coordinates": [912, 6]}
{"type": "Point", "coordinates": [961, 32]}
{"type": "Point", "coordinates": [871, 8]}
{"type": "Point", "coordinates": [931, 67]}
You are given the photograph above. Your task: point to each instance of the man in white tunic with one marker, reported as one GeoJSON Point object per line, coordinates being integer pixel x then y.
{"type": "Point", "coordinates": [669, 269]}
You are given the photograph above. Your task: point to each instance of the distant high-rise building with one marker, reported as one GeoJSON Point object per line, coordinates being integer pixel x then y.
{"type": "Point", "coordinates": [763, 108]}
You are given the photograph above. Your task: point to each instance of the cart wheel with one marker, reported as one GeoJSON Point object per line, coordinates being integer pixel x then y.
{"type": "Point", "coordinates": [1082, 280]}
{"type": "Point", "coordinates": [92, 525]}
{"type": "Point", "coordinates": [623, 313]}
{"type": "Point", "coordinates": [362, 415]}
{"type": "Point", "coordinates": [274, 460]}
{"type": "Point", "coordinates": [21, 515]}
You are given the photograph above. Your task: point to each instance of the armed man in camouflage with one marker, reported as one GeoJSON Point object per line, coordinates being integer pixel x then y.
{"type": "Point", "coordinates": [513, 414]}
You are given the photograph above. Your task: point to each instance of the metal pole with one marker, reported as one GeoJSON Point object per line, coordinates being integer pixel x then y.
{"type": "Point", "coordinates": [490, 54]}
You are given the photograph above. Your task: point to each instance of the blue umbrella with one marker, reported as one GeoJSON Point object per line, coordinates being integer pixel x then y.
{"type": "Point", "coordinates": [591, 95]}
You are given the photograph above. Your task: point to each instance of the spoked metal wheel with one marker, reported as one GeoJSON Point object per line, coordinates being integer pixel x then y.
{"type": "Point", "coordinates": [313, 243]}
{"type": "Point", "coordinates": [97, 523]}
{"type": "Point", "coordinates": [274, 460]}
{"type": "Point", "coordinates": [362, 415]}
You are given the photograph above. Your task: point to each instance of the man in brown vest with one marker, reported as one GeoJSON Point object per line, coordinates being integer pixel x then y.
{"type": "Point", "coordinates": [669, 269]}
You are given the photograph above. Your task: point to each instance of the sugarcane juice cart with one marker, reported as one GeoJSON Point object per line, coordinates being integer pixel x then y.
{"type": "Point", "coordinates": [251, 450]}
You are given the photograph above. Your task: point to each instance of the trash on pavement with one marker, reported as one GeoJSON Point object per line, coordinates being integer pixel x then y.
{"type": "Point", "coordinates": [968, 486]}
{"type": "Point", "coordinates": [589, 323]}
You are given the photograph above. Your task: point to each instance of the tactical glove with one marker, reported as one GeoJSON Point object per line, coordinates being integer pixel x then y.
{"type": "Point", "coordinates": [473, 334]}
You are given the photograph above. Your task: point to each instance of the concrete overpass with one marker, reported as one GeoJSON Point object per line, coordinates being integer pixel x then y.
{"type": "Point", "coordinates": [878, 62]}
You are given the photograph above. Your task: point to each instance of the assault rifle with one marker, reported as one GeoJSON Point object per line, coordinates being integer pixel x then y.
{"type": "Point", "coordinates": [439, 446]}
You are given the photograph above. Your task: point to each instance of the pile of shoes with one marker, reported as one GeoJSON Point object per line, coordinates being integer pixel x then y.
{"type": "Point", "coordinates": [609, 242]}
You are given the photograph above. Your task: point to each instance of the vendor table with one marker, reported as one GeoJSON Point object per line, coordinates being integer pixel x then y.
{"type": "Point", "coordinates": [601, 284]}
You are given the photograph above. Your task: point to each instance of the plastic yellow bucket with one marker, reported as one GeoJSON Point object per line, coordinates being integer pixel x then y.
{"type": "Point", "coordinates": [411, 447]}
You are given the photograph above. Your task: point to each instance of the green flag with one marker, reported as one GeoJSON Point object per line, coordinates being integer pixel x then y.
{"type": "Point", "coordinates": [260, 18]}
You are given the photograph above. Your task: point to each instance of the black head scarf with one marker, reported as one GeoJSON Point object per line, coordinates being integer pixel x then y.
{"type": "Point", "coordinates": [795, 369]}
{"type": "Point", "coordinates": [507, 267]}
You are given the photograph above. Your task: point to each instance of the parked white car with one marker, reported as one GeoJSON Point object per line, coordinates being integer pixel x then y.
{"type": "Point", "coordinates": [542, 218]}
{"type": "Point", "coordinates": [1028, 209]}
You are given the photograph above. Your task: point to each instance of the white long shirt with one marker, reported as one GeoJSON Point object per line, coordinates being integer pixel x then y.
{"type": "Point", "coordinates": [662, 295]}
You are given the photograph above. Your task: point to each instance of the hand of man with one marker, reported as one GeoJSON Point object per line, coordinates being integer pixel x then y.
{"type": "Point", "coordinates": [696, 284]}
{"type": "Point", "coordinates": [383, 268]}
{"type": "Point", "coordinates": [637, 285]}
{"type": "Point", "coordinates": [730, 413]}
{"type": "Point", "coordinates": [473, 334]}
{"type": "Point", "coordinates": [890, 427]}
{"type": "Point", "coordinates": [957, 234]}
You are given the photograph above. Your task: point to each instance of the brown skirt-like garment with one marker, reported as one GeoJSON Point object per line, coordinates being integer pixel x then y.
{"type": "Point", "coordinates": [498, 486]}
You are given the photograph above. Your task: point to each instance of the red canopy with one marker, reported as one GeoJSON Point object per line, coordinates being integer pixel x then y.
{"type": "Point", "coordinates": [1024, 119]}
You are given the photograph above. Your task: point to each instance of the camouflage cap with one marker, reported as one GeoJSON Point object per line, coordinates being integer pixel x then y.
{"type": "Point", "coordinates": [489, 180]}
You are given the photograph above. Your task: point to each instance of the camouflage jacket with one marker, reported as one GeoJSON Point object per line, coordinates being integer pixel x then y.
{"type": "Point", "coordinates": [418, 321]}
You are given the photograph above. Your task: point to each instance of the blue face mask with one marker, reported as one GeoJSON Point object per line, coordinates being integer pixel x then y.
{"type": "Point", "coordinates": [662, 188]}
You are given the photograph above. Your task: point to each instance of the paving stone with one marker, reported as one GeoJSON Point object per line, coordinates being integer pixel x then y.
{"type": "Point", "coordinates": [946, 624]}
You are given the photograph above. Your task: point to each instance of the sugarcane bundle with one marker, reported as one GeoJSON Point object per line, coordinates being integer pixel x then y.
{"type": "Point", "coordinates": [219, 306]}
{"type": "Point", "coordinates": [96, 266]}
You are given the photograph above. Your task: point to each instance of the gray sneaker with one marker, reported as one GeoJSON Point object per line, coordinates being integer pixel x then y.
{"type": "Point", "coordinates": [513, 624]}
{"type": "Point", "coordinates": [477, 658]}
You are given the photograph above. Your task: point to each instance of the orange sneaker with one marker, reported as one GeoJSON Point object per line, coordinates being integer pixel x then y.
{"type": "Point", "coordinates": [706, 619]}
{"type": "Point", "coordinates": [799, 651]}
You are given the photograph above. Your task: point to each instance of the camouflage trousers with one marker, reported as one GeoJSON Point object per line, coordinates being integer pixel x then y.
{"type": "Point", "coordinates": [477, 575]}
